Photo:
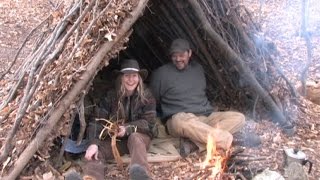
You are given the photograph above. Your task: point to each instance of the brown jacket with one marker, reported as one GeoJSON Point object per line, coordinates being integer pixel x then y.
{"type": "Point", "coordinates": [137, 114]}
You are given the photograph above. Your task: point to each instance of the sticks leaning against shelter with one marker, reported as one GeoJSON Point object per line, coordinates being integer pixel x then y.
{"type": "Point", "coordinates": [228, 54]}
{"type": "Point", "coordinates": [31, 87]}
{"type": "Point", "coordinates": [72, 94]}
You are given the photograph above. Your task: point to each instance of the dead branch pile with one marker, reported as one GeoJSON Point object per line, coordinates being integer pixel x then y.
{"type": "Point", "coordinates": [84, 35]}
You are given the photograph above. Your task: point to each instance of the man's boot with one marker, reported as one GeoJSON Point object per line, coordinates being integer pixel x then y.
{"type": "Point", "coordinates": [187, 147]}
{"type": "Point", "coordinates": [137, 172]}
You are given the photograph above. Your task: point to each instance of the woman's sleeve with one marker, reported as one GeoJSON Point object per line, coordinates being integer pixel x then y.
{"type": "Point", "coordinates": [94, 128]}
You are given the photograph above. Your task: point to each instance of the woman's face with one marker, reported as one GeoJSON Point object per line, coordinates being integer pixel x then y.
{"type": "Point", "coordinates": [130, 82]}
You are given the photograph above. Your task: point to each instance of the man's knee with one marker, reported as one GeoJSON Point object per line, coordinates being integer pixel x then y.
{"type": "Point", "coordinates": [179, 123]}
{"type": "Point", "coordinates": [222, 138]}
{"type": "Point", "coordinates": [182, 118]}
{"type": "Point", "coordinates": [237, 118]}
{"type": "Point", "coordinates": [241, 118]}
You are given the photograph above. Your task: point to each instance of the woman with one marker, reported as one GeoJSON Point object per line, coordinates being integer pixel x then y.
{"type": "Point", "coordinates": [133, 108]}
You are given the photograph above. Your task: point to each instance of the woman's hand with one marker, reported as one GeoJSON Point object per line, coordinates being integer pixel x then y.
{"type": "Point", "coordinates": [122, 131]}
{"type": "Point", "coordinates": [92, 152]}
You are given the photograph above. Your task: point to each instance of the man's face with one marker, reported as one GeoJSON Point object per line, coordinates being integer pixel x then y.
{"type": "Point", "coordinates": [181, 59]}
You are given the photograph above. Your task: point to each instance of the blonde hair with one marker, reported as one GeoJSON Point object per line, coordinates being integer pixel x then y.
{"type": "Point", "coordinates": [121, 94]}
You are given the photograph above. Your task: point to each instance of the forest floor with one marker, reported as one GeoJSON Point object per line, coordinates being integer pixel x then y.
{"type": "Point", "coordinates": [279, 22]}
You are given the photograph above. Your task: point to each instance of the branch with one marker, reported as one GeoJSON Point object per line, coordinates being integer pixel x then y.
{"type": "Point", "coordinates": [22, 45]}
{"type": "Point", "coordinates": [81, 119]}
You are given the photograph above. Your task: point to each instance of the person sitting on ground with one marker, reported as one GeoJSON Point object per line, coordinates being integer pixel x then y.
{"type": "Point", "coordinates": [133, 107]}
{"type": "Point", "coordinates": [179, 88]}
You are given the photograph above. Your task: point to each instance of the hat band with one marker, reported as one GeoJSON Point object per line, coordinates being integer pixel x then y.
{"type": "Point", "coordinates": [129, 69]}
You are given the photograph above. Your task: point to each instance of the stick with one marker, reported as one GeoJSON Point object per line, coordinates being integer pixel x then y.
{"type": "Point", "coordinates": [82, 120]}
{"type": "Point", "coordinates": [249, 159]}
{"type": "Point", "coordinates": [292, 89]}
{"type": "Point", "coordinates": [6, 115]}
{"type": "Point", "coordinates": [22, 45]}
{"type": "Point", "coordinates": [59, 159]}
{"type": "Point", "coordinates": [115, 151]}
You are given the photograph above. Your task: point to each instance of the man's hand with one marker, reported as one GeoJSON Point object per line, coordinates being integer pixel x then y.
{"type": "Point", "coordinates": [122, 131]}
{"type": "Point", "coordinates": [92, 152]}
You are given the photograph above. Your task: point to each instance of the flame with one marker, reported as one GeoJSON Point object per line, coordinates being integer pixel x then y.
{"type": "Point", "coordinates": [214, 160]}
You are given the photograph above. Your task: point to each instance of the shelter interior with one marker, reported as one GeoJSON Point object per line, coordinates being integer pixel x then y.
{"type": "Point", "coordinates": [150, 40]}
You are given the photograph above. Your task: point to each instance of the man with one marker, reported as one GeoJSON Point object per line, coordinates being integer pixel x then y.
{"type": "Point", "coordinates": [179, 88]}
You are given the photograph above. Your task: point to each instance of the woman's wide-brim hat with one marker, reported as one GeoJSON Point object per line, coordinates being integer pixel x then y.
{"type": "Point", "coordinates": [131, 66]}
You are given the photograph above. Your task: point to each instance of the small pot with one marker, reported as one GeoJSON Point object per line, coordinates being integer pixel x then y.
{"type": "Point", "coordinates": [295, 155]}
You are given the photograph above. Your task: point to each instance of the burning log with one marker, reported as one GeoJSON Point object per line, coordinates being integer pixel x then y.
{"type": "Point", "coordinates": [214, 164]}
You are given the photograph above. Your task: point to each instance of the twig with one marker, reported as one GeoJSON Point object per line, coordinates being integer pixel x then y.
{"type": "Point", "coordinates": [249, 159]}
{"type": "Point", "coordinates": [12, 93]}
{"type": "Point", "coordinates": [82, 120]}
{"type": "Point", "coordinates": [22, 45]}
{"type": "Point", "coordinates": [235, 175]}
{"type": "Point", "coordinates": [59, 159]}
{"type": "Point", "coordinates": [78, 29]}
{"type": "Point", "coordinates": [87, 31]}
{"type": "Point", "coordinates": [254, 107]}
{"type": "Point", "coordinates": [6, 115]}
{"type": "Point", "coordinates": [292, 89]}
{"type": "Point", "coordinates": [115, 151]}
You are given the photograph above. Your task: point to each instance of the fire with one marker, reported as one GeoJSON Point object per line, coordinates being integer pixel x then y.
{"type": "Point", "coordinates": [214, 160]}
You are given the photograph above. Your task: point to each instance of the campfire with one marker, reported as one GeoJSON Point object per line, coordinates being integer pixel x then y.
{"type": "Point", "coordinates": [213, 166]}
{"type": "Point", "coordinates": [214, 160]}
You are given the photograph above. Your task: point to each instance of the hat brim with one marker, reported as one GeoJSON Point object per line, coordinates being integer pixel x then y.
{"type": "Point", "coordinates": [143, 73]}
{"type": "Point", "coordinates": [178, 50]}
